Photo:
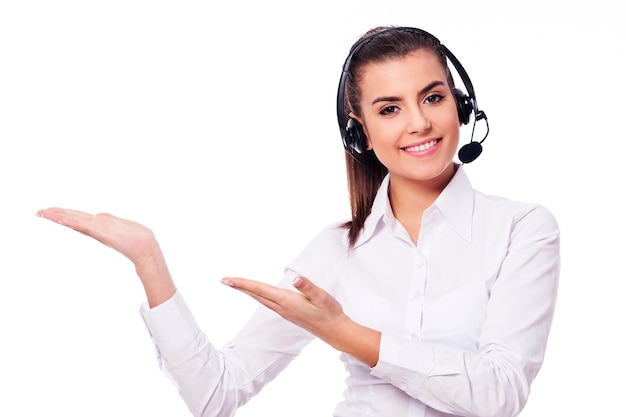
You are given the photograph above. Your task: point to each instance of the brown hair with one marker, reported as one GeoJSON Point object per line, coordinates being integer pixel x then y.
{"type": "Point", "coordinates": [365, 172]}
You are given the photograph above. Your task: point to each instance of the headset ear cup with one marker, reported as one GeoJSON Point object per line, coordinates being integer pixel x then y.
{"type": "Point", "coordinates": [463, 105]}
{"type": "Point", "coordinates": [355, 137]}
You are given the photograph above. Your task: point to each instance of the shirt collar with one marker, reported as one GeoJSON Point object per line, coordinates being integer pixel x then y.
{"type": "Point", "coordinates": [456, 204]}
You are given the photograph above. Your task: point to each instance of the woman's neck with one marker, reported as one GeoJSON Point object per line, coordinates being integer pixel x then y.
{"type": "Point", "coordinates": [409, 198]}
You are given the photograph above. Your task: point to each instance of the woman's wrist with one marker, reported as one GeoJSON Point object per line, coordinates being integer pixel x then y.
{"type": "Point", "coordinates": [354, 339]}
{"type": "Point", "coordinates": [155, 276]}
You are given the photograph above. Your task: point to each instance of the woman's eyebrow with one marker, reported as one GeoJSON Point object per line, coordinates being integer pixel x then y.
{"type": "Point", "coordinates": [431, 86]}
{"type": "Point", "coordinates": [422, 91]}
{"type": "Point", "coordinates": [385, 98]}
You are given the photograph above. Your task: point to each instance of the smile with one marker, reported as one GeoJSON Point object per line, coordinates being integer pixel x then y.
{"type": "Point", "coordinates": [422, 147]}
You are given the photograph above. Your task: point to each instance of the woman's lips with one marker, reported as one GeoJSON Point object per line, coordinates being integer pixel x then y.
{"type": "Point", "coordinates": [423, 147]}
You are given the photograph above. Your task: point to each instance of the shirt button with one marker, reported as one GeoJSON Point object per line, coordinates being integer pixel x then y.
{"type": "Point", "coordinates": [417, 294]}
{"type": "Point", "coordinates": [420, 264]}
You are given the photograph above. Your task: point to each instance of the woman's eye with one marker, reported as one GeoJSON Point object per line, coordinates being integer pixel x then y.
{"type": "Point", "coordinates": [388, 110]}
{"type": "Point", "coordinates": [434, 98]}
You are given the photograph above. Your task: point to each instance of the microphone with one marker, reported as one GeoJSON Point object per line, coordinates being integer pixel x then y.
{"type": "Point", "coordinates": [472, 150]}
{"type": "Point", "coordinates": [469, 152]}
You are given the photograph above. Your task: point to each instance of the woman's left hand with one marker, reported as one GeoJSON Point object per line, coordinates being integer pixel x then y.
{"type": "Point", "coordinates": [315, 310]}
{"type": "Point", "coordinates": [312, 308]}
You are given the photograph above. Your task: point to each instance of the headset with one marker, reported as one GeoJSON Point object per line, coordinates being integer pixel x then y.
{"type": "Point", "coordinates": [352, 135]}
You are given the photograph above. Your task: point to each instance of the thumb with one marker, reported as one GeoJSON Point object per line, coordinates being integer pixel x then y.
{"type": "Point", "coordinates": [308, 289]}
{"type": "Point", "coordinates": [301, 283]}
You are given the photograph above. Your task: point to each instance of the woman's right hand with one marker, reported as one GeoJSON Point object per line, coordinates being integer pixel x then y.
{"type": "Point", "coordinates": [131, 239]}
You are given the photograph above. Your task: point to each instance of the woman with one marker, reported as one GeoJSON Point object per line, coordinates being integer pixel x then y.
{"type": "Point", "coordinates": [439, 297]}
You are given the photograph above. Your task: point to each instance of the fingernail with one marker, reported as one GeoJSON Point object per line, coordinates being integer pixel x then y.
{"type": "Point", "coordinates": [226, 281]}
{"type": "Point", "coordinates": [297, 281]}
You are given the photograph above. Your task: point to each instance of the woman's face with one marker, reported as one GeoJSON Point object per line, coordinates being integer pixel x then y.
{"type": "Point", "coordinates": [409, 116]}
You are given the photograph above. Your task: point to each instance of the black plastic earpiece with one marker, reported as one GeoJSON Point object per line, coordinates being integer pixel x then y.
{"type": "Point", "coordinates": [355, 137]}
{"type": "Point", "coordinates": [463, 105]}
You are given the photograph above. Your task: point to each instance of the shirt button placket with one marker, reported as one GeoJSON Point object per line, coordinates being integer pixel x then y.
{"type": "Point", "coordinates": [415, 300]}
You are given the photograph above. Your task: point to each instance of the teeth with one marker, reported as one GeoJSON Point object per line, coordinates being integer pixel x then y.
{"type": "Point", "coordinates": [422, 147]}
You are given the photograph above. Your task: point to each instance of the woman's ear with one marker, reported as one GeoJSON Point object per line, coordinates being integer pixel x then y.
{"type": "Point", "coordinates": [355, 117]}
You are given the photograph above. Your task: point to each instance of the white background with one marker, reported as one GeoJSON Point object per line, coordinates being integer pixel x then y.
{"type": "Point", "coordinates": [214, 124]}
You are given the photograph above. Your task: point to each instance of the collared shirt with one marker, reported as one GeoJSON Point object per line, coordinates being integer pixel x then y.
{"type": "Point", "coordinates": [464, 314]}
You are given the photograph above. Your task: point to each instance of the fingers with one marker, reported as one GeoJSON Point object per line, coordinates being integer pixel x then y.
{"type": "Point", "coordinates": [270, 295]}
{"type": "Point", "coordinates": [77, 220]}
{"type": "Point", "coordinates": [73, 219]}
{"type": "Point", "coordinates": [251, 287]}
{"type": "Point", "coordinates": [264, 290]}
{"type": "Point", "coordinates": [265, 294]}
{"type": "Point", "coordinates": [56, 214]}
{"type": "Point", "coordinates": [70, 218]}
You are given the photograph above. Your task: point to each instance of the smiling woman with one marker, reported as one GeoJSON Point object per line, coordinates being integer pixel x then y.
{"type": "Point", "coordinates": [412, 126]}
{"type": "Point", "coordinates": [440, 298]}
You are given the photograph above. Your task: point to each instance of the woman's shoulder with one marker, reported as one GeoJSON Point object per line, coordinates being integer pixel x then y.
{"type": "Point", "coordinates": [331, 241]}
{"type": "Point", "coordinates": [323, 253]}
{"type": "Point", "coordinates": [515, 211]}
{"type": "Point", "coordinates": [332, 237]}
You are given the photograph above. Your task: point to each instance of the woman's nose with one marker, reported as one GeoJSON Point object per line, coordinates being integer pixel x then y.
{"type": "Point", "coordinates": [418, 121]}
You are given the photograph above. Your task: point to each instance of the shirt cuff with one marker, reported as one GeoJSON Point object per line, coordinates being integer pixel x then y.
{"type": "Point", "coordinates": [404, 362]}
{"type": "Point", "coordinates": [170, 324]}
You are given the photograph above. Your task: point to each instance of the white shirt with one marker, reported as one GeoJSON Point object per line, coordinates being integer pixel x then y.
{"type": "Point", "coordinates": [464, 314]}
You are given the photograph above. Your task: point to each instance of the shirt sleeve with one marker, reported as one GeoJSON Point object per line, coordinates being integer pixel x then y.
{"type": "Point", "coordinates": [215, 382]}
{"type": "Point", "coordinates": [495, 380]}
